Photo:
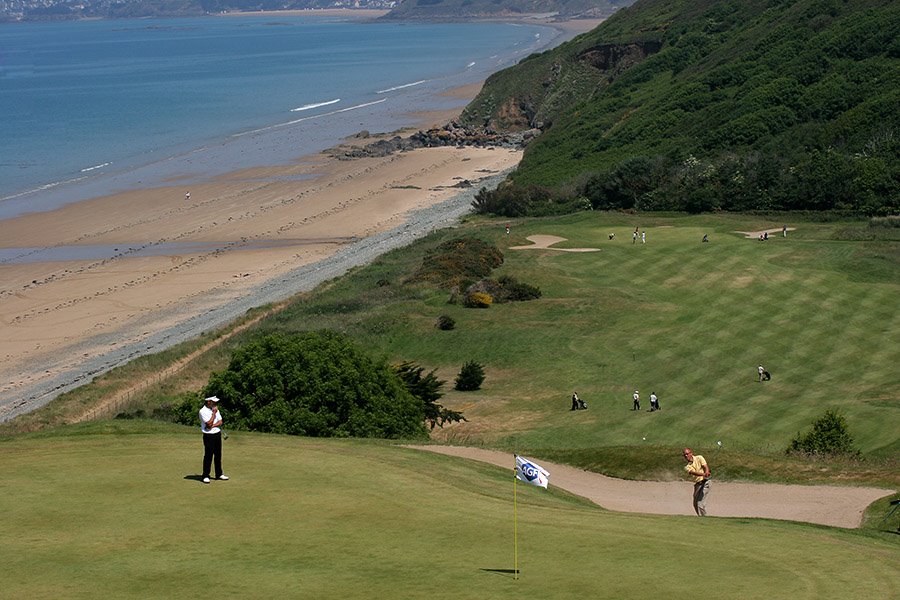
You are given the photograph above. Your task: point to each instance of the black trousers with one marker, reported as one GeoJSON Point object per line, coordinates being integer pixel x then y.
{"type": "Point", "coordinates": [212, 450]}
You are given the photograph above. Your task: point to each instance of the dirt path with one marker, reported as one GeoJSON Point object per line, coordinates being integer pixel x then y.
{"type": "Point", "coordinates": [822, 504]}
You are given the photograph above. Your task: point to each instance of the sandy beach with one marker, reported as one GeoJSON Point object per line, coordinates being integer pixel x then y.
{"type": "Point", "coordinates": [162, 258]}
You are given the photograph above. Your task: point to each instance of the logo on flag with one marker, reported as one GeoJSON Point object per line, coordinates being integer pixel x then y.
{"type": "Point", "coordinates": [531, 472]}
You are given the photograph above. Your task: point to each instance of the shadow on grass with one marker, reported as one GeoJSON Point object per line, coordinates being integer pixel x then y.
{"type": "Point", "coordinates": [501, 571]}
{"type": "Point", "coordinates": [194, 477]}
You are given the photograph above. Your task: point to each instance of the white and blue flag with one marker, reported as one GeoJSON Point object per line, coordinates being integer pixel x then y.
{"type": "Point", "coordinates": [531, 472]}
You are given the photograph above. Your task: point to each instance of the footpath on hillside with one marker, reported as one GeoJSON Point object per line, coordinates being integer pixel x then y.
{"type": "Point", "coordinates": [821, 504]}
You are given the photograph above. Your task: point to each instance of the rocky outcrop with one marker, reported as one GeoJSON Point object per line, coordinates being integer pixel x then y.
{"type": "Point", "coordinates": [451, 134]}
{"type": "Point", "coordinates": [613, 59]}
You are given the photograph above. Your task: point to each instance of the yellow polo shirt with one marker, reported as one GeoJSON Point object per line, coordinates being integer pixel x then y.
{"type": "Point", "coordinates": [698, 464]}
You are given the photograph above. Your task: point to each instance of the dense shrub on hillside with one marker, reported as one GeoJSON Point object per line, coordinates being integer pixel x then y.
{"type": "Point", "coordinates": [625, 185]}
{"type": "Point", "coordinates": [427, 388]}
{"type": "Point", "coordinates": [458, 260]}
{"type": "Point", "coordinates": [315, 384]}
{"type": "Point", "coordinates": [477, 300]}
{"type": "Point", "coordinates": [516, 291]}
{"type": "Point", "coordinates": [504, 289]}
{"type": "Point", "coordinates": [829, 436]}
{"type": "Point", "coordinates": [511, 200]}
{"type": "Point", "coordinates": [185, 409]}
{"type": "Point", "coordinates": [445, 323]}
{"type": "Point", "coordinates": [827, 180]}
{"type": "Point", "coordinates": [470, 377]}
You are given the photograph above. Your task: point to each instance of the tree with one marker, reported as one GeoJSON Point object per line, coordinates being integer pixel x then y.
{"type": "Point", "coordinates": [829, 436]}
{"type": "Point", "coordinates": [470, 377]}
{"type": "Point", "coordinates": [316, 384]}
{"type": "Point", "coordinates": [427, 389]}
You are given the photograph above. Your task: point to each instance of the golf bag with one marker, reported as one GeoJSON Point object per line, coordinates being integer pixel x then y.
{"type": "Point", "coordinates": [766, 376]}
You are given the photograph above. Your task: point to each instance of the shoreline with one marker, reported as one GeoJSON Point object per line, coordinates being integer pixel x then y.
{"type": "Point", "coordinates": [277, 141]}
{"type": "Point", "coordinates": [171, 268]}
{"type": "Point", "coordinates": [359, 13]}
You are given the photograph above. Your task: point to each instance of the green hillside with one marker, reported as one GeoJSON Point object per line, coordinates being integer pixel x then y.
{"type": "Point", "coordinates": [115, 510]}
{"type": "Point", "coordinates": [711, 104]}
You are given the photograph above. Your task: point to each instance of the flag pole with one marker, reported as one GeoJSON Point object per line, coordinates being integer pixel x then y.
{"type": "Point", "coordinates": [515, 529]}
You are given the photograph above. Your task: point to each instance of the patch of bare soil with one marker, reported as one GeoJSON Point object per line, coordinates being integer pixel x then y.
{"type": "Point", "coordinates": [821, 504]}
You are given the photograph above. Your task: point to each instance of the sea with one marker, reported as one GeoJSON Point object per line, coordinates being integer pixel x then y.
{"type": "Point", "coordinates": [89, 108]}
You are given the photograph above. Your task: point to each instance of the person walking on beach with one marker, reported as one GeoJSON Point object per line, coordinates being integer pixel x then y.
{"type": "Point", "coordinates": [211, 426]}
{"type": "Point", "coordinates": [698, 469]}
{"type": "Point", "coordinates": [187, 196]}
{"type": "Point", "coordinates": [637, 401]}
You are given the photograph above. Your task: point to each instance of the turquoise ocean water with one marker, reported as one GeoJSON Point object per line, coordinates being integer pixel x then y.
{"type": "Point", "coordinates": [92, 107]}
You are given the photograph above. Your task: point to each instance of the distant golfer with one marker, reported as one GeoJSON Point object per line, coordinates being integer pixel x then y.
{"type": "Point", "coordinates": [762, 371]}
{"type": "Point", "coordinates": [210, 425]}
{"type": "Point", "coordinates": [654, 402]}
{"type": "Point", "coordinates": [699, 470]}
{"type": "Point", "coordinates": [637, 401]}
{"type": "Point", "coordinates": [578, 403]}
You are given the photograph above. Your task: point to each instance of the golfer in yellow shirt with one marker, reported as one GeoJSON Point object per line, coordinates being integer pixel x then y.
{"type": "Point", "coordinates": [696, 467]}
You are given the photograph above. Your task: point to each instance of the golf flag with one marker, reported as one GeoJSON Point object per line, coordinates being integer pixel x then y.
{"type": "Point", "coordinates": [531, 472]}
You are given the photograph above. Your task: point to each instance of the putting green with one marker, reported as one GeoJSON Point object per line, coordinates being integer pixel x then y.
{"type": "Point", "coordinates": [121, 514]}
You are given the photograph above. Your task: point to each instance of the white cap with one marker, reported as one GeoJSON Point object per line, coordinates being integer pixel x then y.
{"type": "Point", "coordinates": [212, 398]}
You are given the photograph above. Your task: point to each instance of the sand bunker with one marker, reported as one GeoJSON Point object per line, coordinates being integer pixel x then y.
{"type": "Point", "coordinates": [821, 504]}
{"type": "Point", "coordinates": [544, 242]}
